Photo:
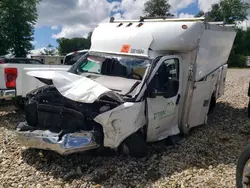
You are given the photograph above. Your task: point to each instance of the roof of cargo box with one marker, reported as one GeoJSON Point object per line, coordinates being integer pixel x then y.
{"type": "Point", "coordinates": [131, 37]}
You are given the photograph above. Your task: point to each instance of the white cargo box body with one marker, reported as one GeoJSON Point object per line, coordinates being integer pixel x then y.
{"type": "Point", "coordinates": [203, 49]}
{"type": "Point", "coordinates": [214, 43]}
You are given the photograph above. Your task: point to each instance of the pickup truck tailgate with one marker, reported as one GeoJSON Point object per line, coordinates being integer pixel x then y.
{"type": "Point", "coordinates": [2, 78]}
{"type": "Point", "coordinates": [25, 83]}
{"type": "Point", "coordinates": [30, 83]}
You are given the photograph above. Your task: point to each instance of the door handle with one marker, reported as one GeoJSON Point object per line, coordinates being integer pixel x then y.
{"type": "Point", "coordinates": [178, 99]}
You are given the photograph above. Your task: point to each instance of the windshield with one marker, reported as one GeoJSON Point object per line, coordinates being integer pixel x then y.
{"type": "Point", "coordinates": [72, 59]}
{"type": "Point", "coordinates": [127, 67]}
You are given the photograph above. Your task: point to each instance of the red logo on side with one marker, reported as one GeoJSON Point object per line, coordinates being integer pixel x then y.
{"type": "Point", "coordinates": [125, 48]}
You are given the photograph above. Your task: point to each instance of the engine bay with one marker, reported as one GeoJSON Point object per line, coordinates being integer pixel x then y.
{"type": "Point", "coordinates": [46, 108]}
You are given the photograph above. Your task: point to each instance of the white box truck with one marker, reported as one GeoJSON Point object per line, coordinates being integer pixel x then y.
{"type": "Point", "coordinates": [141, 81]}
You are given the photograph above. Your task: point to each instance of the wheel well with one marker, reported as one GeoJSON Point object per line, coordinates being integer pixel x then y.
{"type": "Point", "coordinates": [143, 132]}
{"type": "Point", "coordinates": [212, 104]}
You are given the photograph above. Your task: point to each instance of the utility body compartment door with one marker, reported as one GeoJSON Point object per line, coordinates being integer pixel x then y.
{"type": "Point", "coordinates": [163, 97]}
{"type": "Point", "coordinates": [203, 91]}
{"type": "Point", "coordinates": [200, 103]}
{"type": "Point", "coordinates": [222, 82]}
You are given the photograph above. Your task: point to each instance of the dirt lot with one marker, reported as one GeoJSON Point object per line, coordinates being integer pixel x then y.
{"type": "Point", "coordinates": [205, 158]}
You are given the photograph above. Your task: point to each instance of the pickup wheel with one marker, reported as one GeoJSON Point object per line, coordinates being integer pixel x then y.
{"type": "Point", "coordinates": [243, 169]}
{"type": "Point", "coordinates": [134, 146]}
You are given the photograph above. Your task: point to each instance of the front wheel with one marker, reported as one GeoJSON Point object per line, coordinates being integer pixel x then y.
{"type": "Point", "coordinates": [243, 169]}
{"type": "Point", "coordinates": [134, 146]}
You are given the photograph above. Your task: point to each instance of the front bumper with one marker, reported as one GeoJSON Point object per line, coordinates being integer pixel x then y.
{"type": "Point", "coordinates": [7, 94]}
{"type": "Point", "coordinates": [63, 144]}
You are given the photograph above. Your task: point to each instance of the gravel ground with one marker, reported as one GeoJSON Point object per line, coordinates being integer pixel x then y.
{"type": "Point", "coordinates": [205, 158]}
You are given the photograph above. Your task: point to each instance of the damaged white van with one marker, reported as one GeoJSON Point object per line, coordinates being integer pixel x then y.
{"type": "Point", "coordinates": [141, 81]}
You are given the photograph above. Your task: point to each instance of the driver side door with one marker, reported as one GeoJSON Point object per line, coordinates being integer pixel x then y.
{"type": "Point", "coordinates": [163, 97]}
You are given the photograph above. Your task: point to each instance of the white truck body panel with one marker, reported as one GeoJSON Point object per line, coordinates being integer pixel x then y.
{"type": "Point", "coordinates": [214, 49]}
{"type": "Point", "coordinates": [2, 78]}
{"type": "Point", "coordinates": [203, 91]}
{"type": "Point", "coordinates": [222, 81]}
{"type": "Point", "coordinates": [153, 36]}
{"type": "Point", "coordinates": [214, 44]}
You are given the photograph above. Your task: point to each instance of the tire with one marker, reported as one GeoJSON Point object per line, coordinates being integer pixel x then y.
{"type": "Point", "coordinates": [173, 140]}
{"type": "Point", "coordinates": [242, 160]}
{"type": "Point", "coordinates": [134, 146]}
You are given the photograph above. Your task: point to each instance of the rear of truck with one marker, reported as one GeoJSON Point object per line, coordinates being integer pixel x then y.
{"type": "Point", "coordinates": [15, 83]}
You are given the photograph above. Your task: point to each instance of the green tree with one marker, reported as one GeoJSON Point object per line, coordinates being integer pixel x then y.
{"type": "Point", "coordinates": [229, 10]}
{"type": "Point", "coordinates": [18, 18]}
{"type": "Point", "coordinates": [66, 45]}
{"type": "Point", "coordinates": [4, 42]}
{"type": "Point", "coordinates": [157, 8]}
{"type": "Point", "coordinates": [89, 36]}
{"type": "Point", "coordinates": [49, 50]}
{"type": "Point", "coordinates": [241, 49]}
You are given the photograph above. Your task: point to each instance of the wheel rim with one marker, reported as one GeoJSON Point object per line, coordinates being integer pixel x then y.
{"type": "Point", "coordinates": [246, 175]}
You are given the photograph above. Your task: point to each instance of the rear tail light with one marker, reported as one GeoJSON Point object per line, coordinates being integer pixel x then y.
{"type": "Point", "coordinates": [10, 77]}
{"type": "Point", "coordinates": [1, 62]}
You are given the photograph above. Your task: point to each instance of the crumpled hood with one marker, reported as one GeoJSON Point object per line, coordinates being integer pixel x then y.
{"type": "Point", "coordinates": [75, 87]}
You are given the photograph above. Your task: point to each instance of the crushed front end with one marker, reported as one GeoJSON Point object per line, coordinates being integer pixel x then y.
{"type": "Point", "coordinates": [54, 122]}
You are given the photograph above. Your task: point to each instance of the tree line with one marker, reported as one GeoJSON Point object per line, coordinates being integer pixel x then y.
{"type": "Point", "coordinates": [17, 20]}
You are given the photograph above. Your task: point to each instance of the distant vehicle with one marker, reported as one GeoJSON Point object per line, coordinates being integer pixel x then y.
{"type": "Point", "coordinates": [49, 60]}
{"type": "Point", "coordinates": [4, 60]}
{"type": "Point", "coordinates": [73, 57]}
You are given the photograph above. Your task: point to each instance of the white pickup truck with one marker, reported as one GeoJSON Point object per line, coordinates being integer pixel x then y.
{"type": "Point", "coordinates": [15, 83]}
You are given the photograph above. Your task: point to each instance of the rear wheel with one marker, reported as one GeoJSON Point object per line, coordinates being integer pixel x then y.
{"type": "Point", "coordinates": [134, 146]}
